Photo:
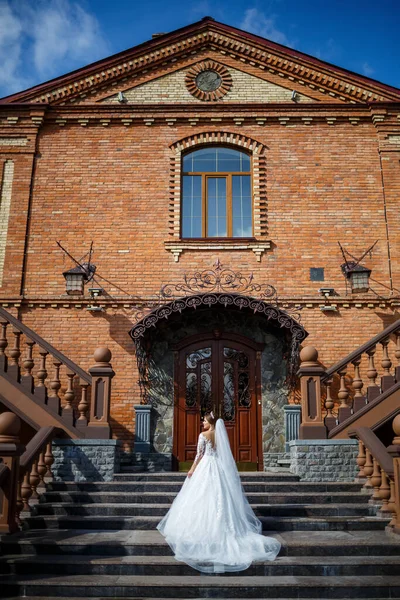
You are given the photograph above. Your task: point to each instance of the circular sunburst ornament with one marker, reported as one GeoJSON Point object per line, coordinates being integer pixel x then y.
{"type": "Point", "coordinates": [208, 81]}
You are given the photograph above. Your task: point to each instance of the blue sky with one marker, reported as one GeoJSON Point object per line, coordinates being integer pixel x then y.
{"type": "Point", "coordinates": [41, 39]}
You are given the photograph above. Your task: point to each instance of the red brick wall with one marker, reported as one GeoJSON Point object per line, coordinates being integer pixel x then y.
{"type": "Point", "coordinates": [111, 185]}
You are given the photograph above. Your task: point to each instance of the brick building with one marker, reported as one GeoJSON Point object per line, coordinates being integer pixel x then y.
{"type": "Point", "coordinates": [205, 149]}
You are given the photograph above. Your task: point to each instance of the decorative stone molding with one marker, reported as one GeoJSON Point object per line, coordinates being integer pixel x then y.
{"type": "Point", "coordinates": [258, 178]}
{"type": "Point", "coordinates": [221, 85]}
{"type": "Point", "coordinates": [13, 141]}
{"type": "Point", "coordinates": [5, 204]}
{"type": "Point", "coordinates": [176, 248]}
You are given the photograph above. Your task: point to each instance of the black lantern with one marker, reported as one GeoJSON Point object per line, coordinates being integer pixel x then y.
{"type": "Point", "coordinates": [358, 276]}
{"type": "Point", "coordinates": [77, 277]}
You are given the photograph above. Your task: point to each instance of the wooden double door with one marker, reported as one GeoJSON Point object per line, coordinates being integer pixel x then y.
{"type": "Point", "coordinates": [218, 372]}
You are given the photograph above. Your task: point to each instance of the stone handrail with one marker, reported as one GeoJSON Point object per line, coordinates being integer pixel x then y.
{"type": "Point", "coordinates": [35, 468]}
{"type": "Point", "coordinates": [59, 398]}
{"type": "Point", "coordinates": [350, 398]}
{"type": "Point", "coordinates": [363, 349]}
{"type": "Point", "coordinates": [379, 468]}
{"type": "Point", "coordinates": [22, 328]}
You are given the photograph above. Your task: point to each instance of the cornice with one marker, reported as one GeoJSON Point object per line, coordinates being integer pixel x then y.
{"type": "Point", "coordinates": [307, 303]}
{"type": "Point", "coordinates": [208, 34]}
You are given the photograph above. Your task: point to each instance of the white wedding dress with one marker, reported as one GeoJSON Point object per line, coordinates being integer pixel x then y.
{"type": "Point", "coordinates": [210, 525]}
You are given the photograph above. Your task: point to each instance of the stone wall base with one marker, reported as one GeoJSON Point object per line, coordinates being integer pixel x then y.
{"type": "Point", "coordinates": [324, 460]}
{"type": "Point", "coordinates": [271, 461]}
{"type": "Point", "coordinates": [85, 460]}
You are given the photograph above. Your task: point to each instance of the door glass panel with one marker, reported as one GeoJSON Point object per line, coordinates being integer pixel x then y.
{"type": "Point", "coordinates": [242, 223]}
{"type": "Point", "coordinates": [241, 361]}
{"type": "Point", "coordinates": [228, 401]}
{"type": "Point", "coordinates": [216, 207]}
{"type": "Point", "coordinates": [198, 378]}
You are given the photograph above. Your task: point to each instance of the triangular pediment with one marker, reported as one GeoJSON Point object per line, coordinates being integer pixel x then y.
{"type": "Point", "coordinates": [174, 88]}
{"type": "Point", "coordinates": [209, 40]}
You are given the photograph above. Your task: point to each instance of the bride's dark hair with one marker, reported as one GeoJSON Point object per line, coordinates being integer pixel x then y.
{"type": "Point", "coordinates": [210, 418]}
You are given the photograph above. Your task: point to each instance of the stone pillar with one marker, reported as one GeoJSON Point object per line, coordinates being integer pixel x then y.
{"type": "Point", "coordinates": [102, 373]}
{"type": "Point", "coordinates": [312, 426]}
{"type": "Point", "coordinates": [394, 451]}
{"type": "Point", "coordinates": [10, 452]}
{"type": "Point", "coordinates": [142, 428]}
{"type": "Point", "coordinates": [292, 414]}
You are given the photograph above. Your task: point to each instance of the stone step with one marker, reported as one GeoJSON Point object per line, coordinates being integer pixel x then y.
{"type": "Point", "coordinates": [338, 566]}
{"type": "Point", "coordinates": [150, 543]}
{"type": "Point", "coordinates": [204, 587]}
{"type": "Point", "coordinates": [356, 597]}
{"type": "Point", "coordinates": [139, 509]}
{"type": "Point", "coordinates": [341, 523]}
{"type": "Point", "coordinates": [171, 487]}
{"type": "Point", "coordinates": [128, 475]}
{"type": "Point", "coordinates": [77, 496]}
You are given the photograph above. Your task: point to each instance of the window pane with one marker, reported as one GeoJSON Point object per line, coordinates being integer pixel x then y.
{"type": "Point", "coordinates": [191, 206]}
{"type": "Point", "coordinates": [216, 207]}
{"type": "Point", "coordinates": [241, 206]}
{"type": "Point", "coordinates": [216, 160]}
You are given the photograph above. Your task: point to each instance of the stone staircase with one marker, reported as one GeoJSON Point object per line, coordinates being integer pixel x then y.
{"type": "Point", "coordinates": [98, 540]}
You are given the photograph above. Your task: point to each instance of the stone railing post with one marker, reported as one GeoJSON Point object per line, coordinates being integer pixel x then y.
{"type": "Point", "coordinates": [312, 426]}
{"type": "Point", "coordinates": [394, 451]}
{"type": "Point", "coordinates": [102, 373]}
{"type": "Point", "coordinates": [10, 452]}
{"type": "Point", "coordinates": [292, 416]}
{"type": "Point", "coordinates": [142, 427]}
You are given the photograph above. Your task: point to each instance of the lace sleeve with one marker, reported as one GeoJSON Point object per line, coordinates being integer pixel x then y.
{"type": "Point", "coordinates": [201, 448]}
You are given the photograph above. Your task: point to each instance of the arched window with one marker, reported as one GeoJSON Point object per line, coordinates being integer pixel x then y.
{"type": "Point", "coordinates": [216, 194]}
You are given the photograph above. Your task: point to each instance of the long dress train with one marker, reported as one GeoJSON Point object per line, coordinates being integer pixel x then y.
{"type": "Point", "coordinates": [210, 525]}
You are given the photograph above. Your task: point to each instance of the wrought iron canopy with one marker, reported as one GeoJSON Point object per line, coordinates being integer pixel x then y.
{"type": "Point", "coordinates": [239, 301]}
{"type": "Point", "coordinates": [219, 287]}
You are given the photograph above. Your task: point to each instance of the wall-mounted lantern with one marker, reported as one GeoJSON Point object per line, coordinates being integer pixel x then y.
{"type": "Point", "coordinates": [77, 277]}
{"type": "Point", "coordinates": [357, 275]}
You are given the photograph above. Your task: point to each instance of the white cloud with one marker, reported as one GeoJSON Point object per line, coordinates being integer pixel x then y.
{"type": "Point", "coordinates": [53, 36]}
{"type": "Point", "coordinates": [367, 69]}
{"type": "Point", "coordinates": [255, 21]}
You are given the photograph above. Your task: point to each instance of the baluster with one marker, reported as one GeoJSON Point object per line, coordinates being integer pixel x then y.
{"type": "Point", "coordinates": [41, 389]}
{"type": "Point", "coordinates": [83, 406]}
{"type": "Point", "coordinates": [392, 504]}
{"type": "Point", "coordinates": [387, 379]}
{"type": "Point", "coordinates": [376, 481]}
{"type": "Point", "coordinates": [42, 469]}
{"type": "Point", "coordinates": [15, 352]}
{"type": "Point", "coordinates": [397, 355]}
{"type": "Point", "coordinates": [48, 461]}
{"type": "Point", "coordinates": [384, 493]}
{"type": "Point", "coordinates": [53, 401]}
{"type": "Point", "coordinates": [361, 458]}
{"type": "Point", "coordinates": [34, 480]}
{"type": "Point", "coordinates": [368, 470]}
{"type": "Point", "coordinates": [68, 411]}
{"type": "Point", "coordinates": [28, 364]}
{"type": "Point", "coordinates": [3, 345]}
{"type": "Point", "coordinates": [26, 493]}
{"type": "Point", "coordinates": [330, 419]}
{"type": "Point", "coordinates": [343, 394]}
{"type": "Point", "coordinates": [372, 389]}
{"type": "Point", "coordinates": [359, 398]}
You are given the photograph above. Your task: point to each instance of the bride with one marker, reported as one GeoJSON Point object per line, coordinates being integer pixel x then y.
{"type": "Point", "coordinates": [210, 525]}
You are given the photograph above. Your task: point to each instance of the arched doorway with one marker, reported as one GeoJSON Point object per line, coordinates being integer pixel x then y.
{"type": "Point", "coordinates": [218, 371]}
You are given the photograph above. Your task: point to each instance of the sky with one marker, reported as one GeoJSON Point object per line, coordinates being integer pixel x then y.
{"type": "Point", "coordinates": [42, 39]}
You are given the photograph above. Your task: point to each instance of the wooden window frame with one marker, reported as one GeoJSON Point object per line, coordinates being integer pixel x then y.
{"type": "Point", "coordinates": [229, 203]}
